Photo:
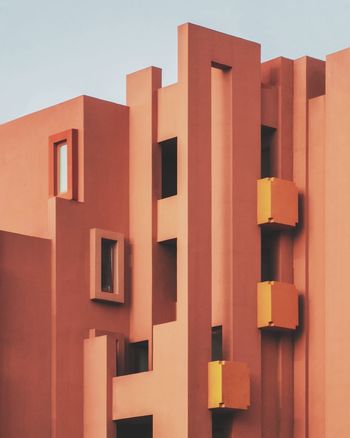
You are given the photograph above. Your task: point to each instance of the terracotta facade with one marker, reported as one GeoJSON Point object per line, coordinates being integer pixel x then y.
{"type": "Point", "coordinates": [177, 267]}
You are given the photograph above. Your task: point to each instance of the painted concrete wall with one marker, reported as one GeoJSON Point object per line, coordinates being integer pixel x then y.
{"type": "Point", "coordinates": [25, 336]}
{"type": "Point", "coordinates": [191, 262]}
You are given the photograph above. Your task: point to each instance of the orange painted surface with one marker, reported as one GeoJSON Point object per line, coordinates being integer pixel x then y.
{"type": "Point", "coordinates": [172, 179]}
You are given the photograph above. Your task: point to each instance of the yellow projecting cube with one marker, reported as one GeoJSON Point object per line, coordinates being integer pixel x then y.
{"type": "Point", "coordinates": [277, 305]}
{"type": "Point", "coordinates": [229, 385]}
{"type": "Point", "coordinates": [277, 202]}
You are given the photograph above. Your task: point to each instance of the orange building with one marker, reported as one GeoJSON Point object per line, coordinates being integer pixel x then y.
{"type": "Point", "coordinates": [177, 267]}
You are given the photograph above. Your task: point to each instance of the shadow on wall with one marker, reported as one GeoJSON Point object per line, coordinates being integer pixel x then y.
{"type": "Point", "coordinates": [135, 427]}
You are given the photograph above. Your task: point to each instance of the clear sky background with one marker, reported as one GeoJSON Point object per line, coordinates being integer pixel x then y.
{"type": "Point", "coordinates": [53, 50]}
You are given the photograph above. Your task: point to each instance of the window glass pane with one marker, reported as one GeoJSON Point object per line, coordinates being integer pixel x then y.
{"type": "Point", "coordinates": [63, 168]}
{"type": "Point", "coordinates": [107, 264]}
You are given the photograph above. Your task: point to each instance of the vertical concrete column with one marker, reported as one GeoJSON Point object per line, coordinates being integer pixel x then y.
{"type": "Point", "coordinates": [100, 367]}
{"type": "Point", "coordinates": [317, 310]}
{"type": "Point", "coordinates": [142, 98]}
{"type": "Point", "coordinates": [308, 83]}
{"type": "Point", "coordinates": [285, 244]}
{"type": "Point", "coordinates": [200, 49]}
{"type": "Point", "coordinates": [195, 76]}
{"type": "Point", "coordinates": [337, 244]}
{"type": "Point", "coordinates": [246, 116]}
{"type": "Point", "coordinates": [277, 348]}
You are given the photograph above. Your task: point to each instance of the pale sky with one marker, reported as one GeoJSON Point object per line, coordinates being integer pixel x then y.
{"type": "Point", "coordinates": [53, 50]}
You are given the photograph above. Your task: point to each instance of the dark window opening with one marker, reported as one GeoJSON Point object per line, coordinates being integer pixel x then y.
{"type": "Point", "coordinates": [268, 256]}
{"type": "Point", "coordinates": [221, 425]}
{"type": "Point", "coordinates": [267, 143]}
{"type": "Point", "coordinates": [138, 357]}
{"type": "Point", "coordinates": [107, 264]}
{"type": "Point", "coordinates": [169, 167]}
{"type": "Point", "coordinates": [216, 343]}
{"type": "Point", "coordinates": [139, 427]}
{"type": "Point", "coordinates": [165, 278]}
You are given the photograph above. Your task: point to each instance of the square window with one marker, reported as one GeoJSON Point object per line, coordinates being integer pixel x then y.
{"type": "Point", "coordinates": [106, 266]}
{"type": "Point", "coordinates": [63, 164]}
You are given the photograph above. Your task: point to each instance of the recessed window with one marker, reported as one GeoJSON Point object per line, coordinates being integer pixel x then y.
{"type": "Point", "coordinates": [106, 266]}
{"type": "Point", "coordinates": [138, 357]}
{"type": "Point", "coordinates": [62, 171]}
{"type": "Point", "coordinates": [63, 176]}
{"type": "Point", "coordinates": [108, 255]}
{"type": "Point", "coordinates": [169, 167]}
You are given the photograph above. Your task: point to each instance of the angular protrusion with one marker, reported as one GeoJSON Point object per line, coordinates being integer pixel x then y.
{"type": "Point", "coordinates": [229, 385]}
{"type": "Point", "coordinates": [277, 202]}
{"type": "Point", "coordinates": [277, 305]}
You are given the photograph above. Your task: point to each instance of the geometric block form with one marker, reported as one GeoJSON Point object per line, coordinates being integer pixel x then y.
{"type": "Point", "coordinates": [106, 266]}
{"type": "Point", "coordinates": [277, 202]}
{"type": "Point", "coordinates": [167, 219]}
{"type": "Point", "coordinates": [101, 352]}
{"type": "Point", "coordinates": [63, 166]}
{"type": "Point", "coordinates": [277, 305]}
{"type": "Point", "coordinates": [228, 385]}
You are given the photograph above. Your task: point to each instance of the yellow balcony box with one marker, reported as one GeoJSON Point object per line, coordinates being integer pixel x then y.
{"type": "Point", "coordinates": [277, 202]}
{"type": "Point", "coordinates": [277, 305]}
{"type": "Point", "coordinates": [229, 385]}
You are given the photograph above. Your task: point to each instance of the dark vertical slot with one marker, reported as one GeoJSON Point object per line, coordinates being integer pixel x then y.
{"type": "Point", "coordinates": [216, 343]}
{"type": "Point", "coordinates": [221, 425]}
{"type": "Point", "coordinates": [169, 167]}
{"type": "Point", "coordinates": [268, 256]}
{"type": "Point", "coordinates": [165, 276]}
{"type": "Point", "coordinates": [169, 253]}
{"type": "Point", "coordinates": [117, 364]}
{"type": "Point", "coordinates": [138, 357]}
{"type": "Point", "coordinates": [107, 264]}
{"type": "Point", "coordinates": [139, 427]}
{"type": "Point", "coordinates": [267, 144]}
{"type": "Point", "coordinates": [120, 358]}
